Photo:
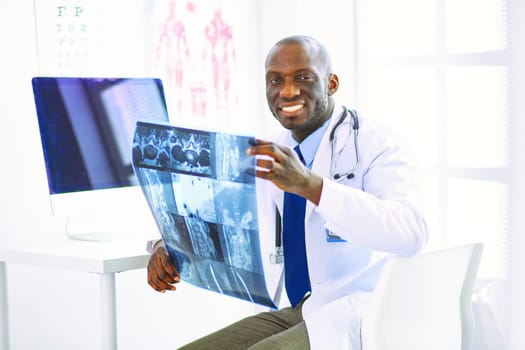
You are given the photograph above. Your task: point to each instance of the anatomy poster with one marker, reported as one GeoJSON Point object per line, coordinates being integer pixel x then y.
{"type": "Point", "coordinates": [202, 193]}
{"type": "Point", "coordinates": [197, 53]}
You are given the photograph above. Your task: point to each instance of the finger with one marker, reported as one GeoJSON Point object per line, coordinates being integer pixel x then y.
{"type": "Point", "coordinates": [153, 280]}
{"type": "Point", "coordinates": [161, 272]}
{"type": "Point", "coordinates": [169, 273]}
{"type": "Point", "coordinates": [267, 164]}
{"type": "Point", "coordinates": [166, 277]}
{"type": "Point", "coordinates": [263, 174]}
{"type": "Point", "coordinates": [158, 277]}
{"type": "Point", "coordinates": [169, 269]}
{"type": "Point", "coordinates": [257, 142]}
{"type": "Point", "coordinates": [268, 149]}
{"type": "Point", "coordinates": [157, 283]}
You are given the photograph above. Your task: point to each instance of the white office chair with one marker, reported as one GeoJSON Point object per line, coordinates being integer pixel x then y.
{"type": "Point", "coordinates": [424, 302]}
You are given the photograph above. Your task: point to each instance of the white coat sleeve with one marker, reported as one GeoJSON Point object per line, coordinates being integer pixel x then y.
{"type": "Point", "coordinates": [386, 212]}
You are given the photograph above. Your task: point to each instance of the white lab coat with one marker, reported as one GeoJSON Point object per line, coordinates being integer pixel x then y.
{"type": "Point", "coordinates": [377, 213]}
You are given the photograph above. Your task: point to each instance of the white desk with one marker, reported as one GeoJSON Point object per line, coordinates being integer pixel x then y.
{"type": "Point", "coordinates": [102, 258]}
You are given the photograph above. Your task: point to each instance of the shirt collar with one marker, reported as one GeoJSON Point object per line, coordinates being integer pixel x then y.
{"type": "Point", "coordinates": [311, 143]}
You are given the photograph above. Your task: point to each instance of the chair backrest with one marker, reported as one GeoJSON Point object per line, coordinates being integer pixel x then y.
{"type": "Point", "coordinates": [424, 302]}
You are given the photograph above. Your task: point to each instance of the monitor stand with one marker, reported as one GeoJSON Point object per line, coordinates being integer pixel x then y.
{"type": "Point", "coordinates": [106, 228]}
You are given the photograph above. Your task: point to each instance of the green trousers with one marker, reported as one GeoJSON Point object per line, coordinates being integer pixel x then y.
{"type": "Point", "coordinates": [273, 330]}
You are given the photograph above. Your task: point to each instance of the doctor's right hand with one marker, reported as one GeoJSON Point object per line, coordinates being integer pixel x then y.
{"type": "Point", "coordinates": [162, 274]}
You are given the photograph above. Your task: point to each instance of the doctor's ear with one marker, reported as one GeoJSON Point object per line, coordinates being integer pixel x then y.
{"type": "Point", "coordinates": [333, 84]}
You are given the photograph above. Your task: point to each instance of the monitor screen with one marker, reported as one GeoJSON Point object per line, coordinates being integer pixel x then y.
{"type": "Point", "coordinates": [86, 128]}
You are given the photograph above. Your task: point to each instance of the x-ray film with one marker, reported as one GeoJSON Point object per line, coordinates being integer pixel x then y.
{"type": "Point", "coordinates": [203, 196]}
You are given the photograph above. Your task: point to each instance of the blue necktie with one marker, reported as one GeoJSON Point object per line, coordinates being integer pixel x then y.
{"type": "Point", "coordinates": [295, 264]}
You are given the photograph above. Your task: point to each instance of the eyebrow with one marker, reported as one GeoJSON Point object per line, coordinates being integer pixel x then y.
{"type": "Point", "coordinates": [298, 71]}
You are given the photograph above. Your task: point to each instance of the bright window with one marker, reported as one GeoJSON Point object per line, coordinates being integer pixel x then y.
{"type": "Point", "coordinates": [438, 72]}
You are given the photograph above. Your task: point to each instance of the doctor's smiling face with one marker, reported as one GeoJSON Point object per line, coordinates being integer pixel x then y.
{"type": "Point", "coordinates": [300, 85]}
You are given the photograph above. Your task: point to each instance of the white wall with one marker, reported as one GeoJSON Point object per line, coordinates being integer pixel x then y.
{"type": "Point", "coordinates": [22, 180]}
{"type": "Point", "coordinates": [329, 21]}
{"type": "Point", "coordinates": [54, 309]}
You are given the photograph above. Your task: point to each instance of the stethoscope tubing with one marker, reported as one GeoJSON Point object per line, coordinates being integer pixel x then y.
{"type": "Point", "coordinates": [332, 139]}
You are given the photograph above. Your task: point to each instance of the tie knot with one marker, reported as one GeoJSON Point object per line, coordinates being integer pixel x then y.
{"type": "Point", "coordinates": [297, 150]}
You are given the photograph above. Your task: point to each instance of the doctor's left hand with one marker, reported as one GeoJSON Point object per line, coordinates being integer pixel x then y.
{"type": "Point", "coordinates": [281, 166]}
{"type": "Point", "coordinates": [162, 273]}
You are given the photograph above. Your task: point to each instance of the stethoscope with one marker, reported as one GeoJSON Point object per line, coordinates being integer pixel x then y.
{"type": "Point", "coordinates": [277, 257]}
{"type": "Point", "coordinates": [332, 138]}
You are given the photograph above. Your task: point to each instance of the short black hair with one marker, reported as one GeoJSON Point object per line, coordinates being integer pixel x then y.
{"type": "Point", "coordinates": [318, 49]}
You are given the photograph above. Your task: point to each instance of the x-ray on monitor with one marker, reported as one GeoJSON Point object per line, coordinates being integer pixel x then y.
{"type": "Point", "coordinates": [86, 128]}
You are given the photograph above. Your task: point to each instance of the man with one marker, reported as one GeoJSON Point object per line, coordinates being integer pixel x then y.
{"type": "Point", "coordinates": [362, 206]}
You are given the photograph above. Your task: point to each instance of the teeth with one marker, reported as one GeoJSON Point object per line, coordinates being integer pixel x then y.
{"type": "Point", "coordinates": [292, 109]}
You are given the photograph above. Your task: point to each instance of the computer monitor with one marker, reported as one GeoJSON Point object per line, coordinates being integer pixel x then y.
{"type": "Point", "coordinates": [86, 128]}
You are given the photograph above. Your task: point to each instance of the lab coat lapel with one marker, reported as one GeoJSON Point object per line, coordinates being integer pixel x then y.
{"type": "Point", "coordinates": [321, 164]}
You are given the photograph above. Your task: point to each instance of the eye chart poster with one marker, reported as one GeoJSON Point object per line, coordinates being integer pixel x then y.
{"type": "Point", "coordinates": [202, 193]}
{"type": "Point", "coordinates": [90, 37]}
